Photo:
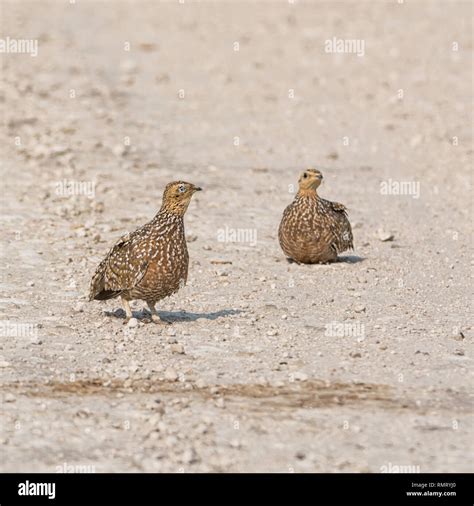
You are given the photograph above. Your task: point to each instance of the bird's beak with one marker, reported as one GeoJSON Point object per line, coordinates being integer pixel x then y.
{"type": "Point", "coordinates": [197, 189]}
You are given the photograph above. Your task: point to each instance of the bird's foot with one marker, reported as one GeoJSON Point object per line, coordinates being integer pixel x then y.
{"type": "Point", "coordinates": [125, 321]}
{"type": "Point", "coordinates": [160, 321]}
{"type": "Point", "coordinates": [156, 319]}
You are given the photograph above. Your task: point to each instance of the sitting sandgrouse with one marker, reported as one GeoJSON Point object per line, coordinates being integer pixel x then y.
{"type": "Point", "coordinates": [314, 230]}
{"type": "Point", "coordinates": [152, 262]}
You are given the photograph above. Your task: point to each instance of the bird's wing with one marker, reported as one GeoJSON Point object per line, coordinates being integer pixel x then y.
{"type": "Point", "coordinates": [340, 208]}
{"type": "Point", "coordinates": [341, 230]}
{"type": "Point", "coordinates": [125, 268]}
{"type": "Point", "coordinates": [122, 269]}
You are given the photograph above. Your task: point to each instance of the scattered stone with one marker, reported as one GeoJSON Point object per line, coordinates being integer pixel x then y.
{"type": "Point", "coordinates": [9, 398]}
{"type": "Point", "coordinates": [359, 308]}
{"type": "Point", "coordinates": [202, 428]}
{"type": "Point", "coordinates": [416, 140]}
{"type": "Point", "coordinates": [119, 150]}
{"type": "Point", "coordinates": [177, 348]}
{"type": "Point", "coordinates": [171, 374]}
{"type": "Point", "coordinates": [132, 323]}
{"type": "Point", "coordinates": [128, 66]}
{"type": "Point", "coordinates": [220, 403]}
{"type": "Point", "coordinates": [384, 236]}
{"type": "Point", "coordinates": [459, 337]}
{"type": "Point", "coordinates": [162, 427]}
{"type": "Point", "coordinates": [58, 150]}
{"type": "Point", "coordinates": [355, 354]}
{"type": "Point", "coordinates": [459, 352]}
{"type": "Point", "coordinates": [79, 307]}
{"type": "Point", "coordinates": [200, 383]}
{"type": "Point", "coordinates": [190, 456]}
{"type": "Point", "coordinates": [300, 376]}
{"type": "Point", "coordinates": [234, 443]}
{"type": "Point", "coordinates": [4, 363]}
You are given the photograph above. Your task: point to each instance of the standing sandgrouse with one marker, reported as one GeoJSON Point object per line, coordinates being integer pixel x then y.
{"type": "Point", "coordinates": [314, 230]}
{"type": "Point", "coordinates": [152, 262]}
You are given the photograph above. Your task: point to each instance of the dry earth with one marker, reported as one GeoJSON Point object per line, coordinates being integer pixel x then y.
{"type": "Point", "coordinates": [362, 365]}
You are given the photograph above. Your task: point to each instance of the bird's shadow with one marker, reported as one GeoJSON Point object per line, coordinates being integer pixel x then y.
{"type": "Point", "coordinates": [184, 316]}
{"type": "Point", "coordinates": [348, 259]}
{"type": "Point", "coordinates": [175, 316]}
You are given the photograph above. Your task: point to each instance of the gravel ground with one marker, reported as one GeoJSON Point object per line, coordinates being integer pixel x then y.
{"type": "Point", "coordinates": [364, 365]}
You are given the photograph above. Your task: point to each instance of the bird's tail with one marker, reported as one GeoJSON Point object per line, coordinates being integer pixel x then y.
{"type": "Point", "coordinates": [97, 289]}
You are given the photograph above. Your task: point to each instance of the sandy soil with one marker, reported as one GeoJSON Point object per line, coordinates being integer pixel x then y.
{"type": "Point", "coordinates": [362, 365]}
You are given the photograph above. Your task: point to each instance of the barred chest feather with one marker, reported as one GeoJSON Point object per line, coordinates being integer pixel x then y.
{"type": "Point", "coordinates": [306, 215]}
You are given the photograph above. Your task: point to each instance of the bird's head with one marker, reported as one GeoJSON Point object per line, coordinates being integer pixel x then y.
{"type": "Point", "coordinates": [177, 196]}
{"type": "Point", "coordinates": [310, 180]}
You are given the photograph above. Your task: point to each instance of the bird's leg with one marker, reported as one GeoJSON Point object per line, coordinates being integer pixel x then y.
{"type": "Point", "coordinates": [154, 315]}
{"type": "Point", "coordinates": [126, 308]}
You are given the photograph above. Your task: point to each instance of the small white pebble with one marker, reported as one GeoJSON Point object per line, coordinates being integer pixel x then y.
{"type": "Point", "coordinates": [132, 323]}
{"type": "Point", "coordinates": [300, 376]}
{"type": "Point", "coordinates": [177, 348]}
{"type": "Point", "coordinates": [171, 374]}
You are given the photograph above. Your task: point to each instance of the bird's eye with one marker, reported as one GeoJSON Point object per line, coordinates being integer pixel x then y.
{"type": "Point", "coordinates": [181, 188]}
{"type": "Point", "coordinates": [305, 175]}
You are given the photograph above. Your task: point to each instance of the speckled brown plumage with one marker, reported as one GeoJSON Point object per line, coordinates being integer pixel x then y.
{"type": "Point", "coordinates": [150, 263]}
{"type": "Point", "coordinates": [314, 230]}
